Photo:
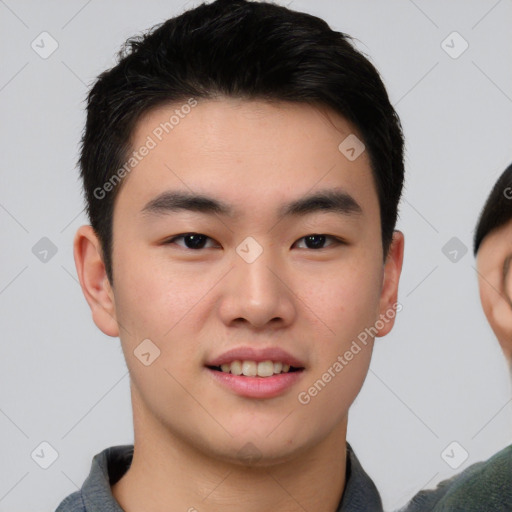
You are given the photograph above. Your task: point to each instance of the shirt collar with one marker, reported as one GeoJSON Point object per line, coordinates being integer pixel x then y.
{"type": "Point", "coordinates": [360, 494]}
{"type": "Point", "coordinates": [108, 466]}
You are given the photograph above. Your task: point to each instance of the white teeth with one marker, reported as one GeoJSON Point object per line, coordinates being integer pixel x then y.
{"type": "Point", "coordinates": [265, 369]}
{"type": "Point", "coordinates": [236, 368]}
{"type": "Point", "coordinates": [253, 369]}
{"type": "Point", "coordinates": [249, 368]}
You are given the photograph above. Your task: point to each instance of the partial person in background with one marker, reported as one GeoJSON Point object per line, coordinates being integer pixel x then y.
{"type": "Point", "coordinates": [486, 486]}
{"type": "Point", "coordinates": [493, 248]}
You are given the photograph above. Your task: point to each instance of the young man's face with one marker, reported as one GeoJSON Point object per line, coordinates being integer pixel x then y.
{"type": "Point", "coordinates": [253, 283]}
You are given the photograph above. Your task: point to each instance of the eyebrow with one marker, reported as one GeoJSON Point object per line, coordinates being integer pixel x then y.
{"type": "Point", "coordinates": [330, 200]}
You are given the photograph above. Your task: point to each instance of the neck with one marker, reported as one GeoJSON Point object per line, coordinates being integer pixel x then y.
{"type": "Point", "coordinates": [168, 470]}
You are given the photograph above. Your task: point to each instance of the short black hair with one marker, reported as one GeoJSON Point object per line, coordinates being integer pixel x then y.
{"type": "Point", "coordinates": [497, 210]}
{"type": "Point", "coordinates": [241, 49]}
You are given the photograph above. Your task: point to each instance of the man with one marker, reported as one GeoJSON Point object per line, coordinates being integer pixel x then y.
{"type": "Point", "coordinates": [486, 485]}
{"type": "Point", "coordinates": [242, 166]}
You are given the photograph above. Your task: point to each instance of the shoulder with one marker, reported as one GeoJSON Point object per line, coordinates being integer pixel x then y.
{"type": "Point", "coordinates": [107, 467]}
{"type": "Point", "coordinates": [482, 486]}
{"type": "Point", "coordinates": [72, 503]}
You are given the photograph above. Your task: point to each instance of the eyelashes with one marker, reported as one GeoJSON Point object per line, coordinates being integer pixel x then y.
{"type": "Point", "coordinates": [315, 238]}
{"type": "Point", "coordinates": [198, 241]}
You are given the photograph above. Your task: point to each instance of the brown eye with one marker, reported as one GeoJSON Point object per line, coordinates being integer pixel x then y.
{"type": "Point", "coordinates": [317, 241]}
{"type": "Point", "coordinates": [192, 241]}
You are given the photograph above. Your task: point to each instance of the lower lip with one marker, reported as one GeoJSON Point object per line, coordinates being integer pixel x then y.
{"type": "Point", "coordinates": [257, 387]}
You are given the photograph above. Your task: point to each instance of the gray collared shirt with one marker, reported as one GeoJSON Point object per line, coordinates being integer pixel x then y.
{"type": "Point", "coordinates": [108, 466]}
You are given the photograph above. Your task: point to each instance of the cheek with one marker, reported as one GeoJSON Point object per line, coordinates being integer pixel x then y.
{"type": "Point", "coordinates": [151, 296]}
{"type": "Point", "coordinates": [151, 307]}
{"type": "Point", "coordinates": [508, 283]}
{"type": "Point", "coordinates": [348, 306]}
{"type": "Point", "coordinates": [165, 305]}
{"type": "Point", "coordinates": [347, 299]}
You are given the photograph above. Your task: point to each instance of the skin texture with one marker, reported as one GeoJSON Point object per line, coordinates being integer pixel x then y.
{"type": "Point", "coordinates": [496, 286]}
{"type": "Point", "coordinates": [190, 432]}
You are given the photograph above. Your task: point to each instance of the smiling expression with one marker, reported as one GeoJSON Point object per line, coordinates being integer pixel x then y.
{"type": "Point", "coordinates": [246, 241]}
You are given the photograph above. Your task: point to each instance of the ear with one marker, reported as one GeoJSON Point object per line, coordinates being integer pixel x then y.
{"type": "Point", "coordinates": [497, 304]}
{"type": "Point", "coordinates": [501, 323]}
{"type": "Point", "coordinates": [94, 281]}
{"type": "Point", "coordinates": [389, 295]}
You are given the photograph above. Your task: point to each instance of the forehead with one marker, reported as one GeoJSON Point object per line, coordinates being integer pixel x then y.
{"type": "Point", "coordinates": [250, 153]}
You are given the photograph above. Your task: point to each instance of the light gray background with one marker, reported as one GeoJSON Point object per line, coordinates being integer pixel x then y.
{"type": "Point", "coordinates": [438, 377]}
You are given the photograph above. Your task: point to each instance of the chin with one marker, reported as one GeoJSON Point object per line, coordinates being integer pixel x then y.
{"type": "Point", "coordinates": [253, 455]}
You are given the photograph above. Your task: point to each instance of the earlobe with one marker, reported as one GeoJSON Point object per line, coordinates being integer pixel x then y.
{"type": "Point", "coordinates": [389, 295]}
{"type": "Point", "coordinates": [499, 316]}
{"type": "Point", "coordinates": [94, 281]}
{"type": "Point", "coordinates": [502, 317]}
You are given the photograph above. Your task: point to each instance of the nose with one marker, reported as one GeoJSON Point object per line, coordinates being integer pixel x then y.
{"type": "Point", "coordinates": [258, 294]}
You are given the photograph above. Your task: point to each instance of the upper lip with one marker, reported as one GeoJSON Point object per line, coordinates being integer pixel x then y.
{"type": "Point", "coordinates": [275, 354]}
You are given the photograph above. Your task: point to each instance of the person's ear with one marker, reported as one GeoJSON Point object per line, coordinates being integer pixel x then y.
{"type": "Point", "coordinates": [94, 281]}
{"type": "Point", "coordinates": [497, 303]}
{"type": "Point", "coordinates": [389, 295]}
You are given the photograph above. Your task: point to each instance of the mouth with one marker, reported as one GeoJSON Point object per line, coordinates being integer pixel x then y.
{"type": "Point", "coordinates": [259, 373]}
{"type": "Point", "coordinates": [263, 369]}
